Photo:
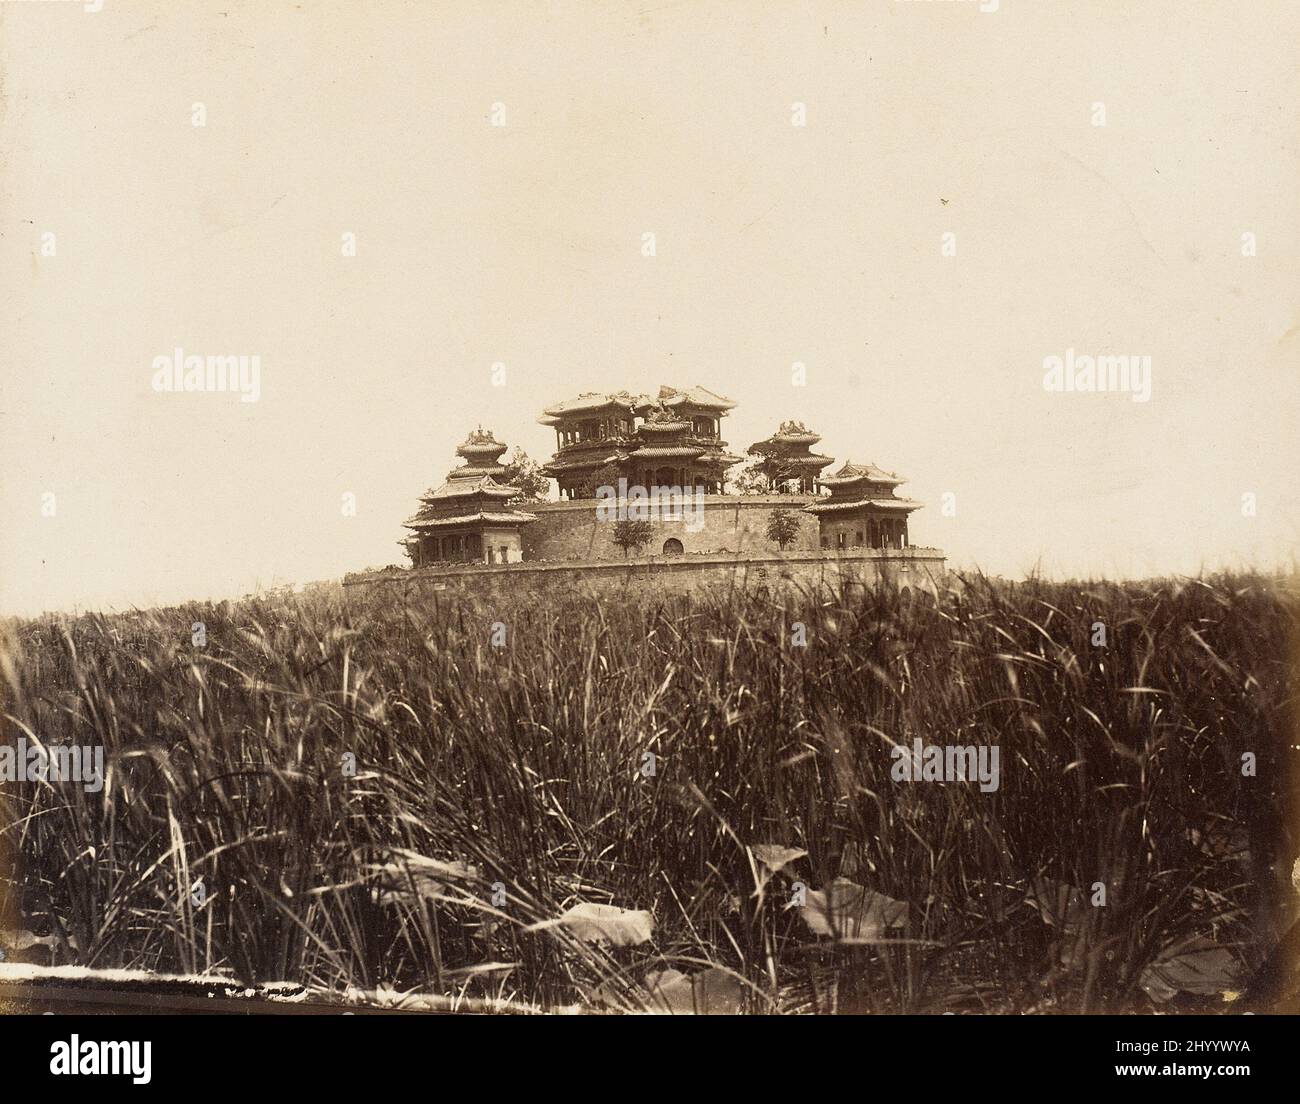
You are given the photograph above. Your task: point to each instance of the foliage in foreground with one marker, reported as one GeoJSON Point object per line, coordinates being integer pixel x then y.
{"type": "Point", "coordinates": [655, 759]}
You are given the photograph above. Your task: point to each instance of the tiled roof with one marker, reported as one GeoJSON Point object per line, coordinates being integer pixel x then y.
{"type": "Point", "coordinates": [791, 430]}
{"type": "Point", "coordinates": [466, 488]}
{"type": "Point", "coordinates": [510, 517]}
{"type": "Point", "coordinates": [475, 471]}
{"type": "Point", "coordinates": [664, 427]}
{"type": "Point", "coordinates": [581, 464]}
{"type": "Point", "coordinates": [590, 401]}
{"type": "Point", "coordinates": [905, 504]}
{"type": "Point", "coordinates": [792, 433]}
{"type": "Point", "coordinates": [471, 452]}
{"type": "Point", "coordinates": [480, 440]}
{"type": "Point", "coordinates": [694, 396]}
{"type": "Point", "coordinates": [684, 452]}
{"type": "Point", "coordinates": [854, 473]}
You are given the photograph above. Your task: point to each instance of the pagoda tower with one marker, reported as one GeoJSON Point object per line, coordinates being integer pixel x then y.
{"type": "Point", "coordinates": [863, 510]}
{"type": "Point", "coordinates": [678, 442]}
{"type": "Point", "coordinates": [468, 519]}
{"type": "Point", "coordinates": [786, 460]}
{"type": "Point", "coordinates": [482, 455]}
{"type": "Point", "coordinates": [591, 432]}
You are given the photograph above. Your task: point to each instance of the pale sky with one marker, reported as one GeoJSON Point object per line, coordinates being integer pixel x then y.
{"type": "Point", "coordinates": [522, 244]}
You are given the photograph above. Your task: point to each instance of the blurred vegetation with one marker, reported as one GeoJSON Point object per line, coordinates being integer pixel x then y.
{"type": "Point", "coordinates": [519, 774]}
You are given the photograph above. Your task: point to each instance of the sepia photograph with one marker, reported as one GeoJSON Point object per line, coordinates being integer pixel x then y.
{"type": "Point", "coordinates": [587, 510]}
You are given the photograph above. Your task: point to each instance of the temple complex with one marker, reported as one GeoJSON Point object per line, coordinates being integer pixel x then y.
{"type": "Point", "coordinates": [862, 509]}
{"type": "Point", "coordinates": [679, 522]}
{"type": "Point", "coordinates": [469, 518]}
{"type": "Point", "coordinates": [678, 442]}
{"type": "Point", "coordinates": [672, 439]}
{"type": "Point", "coordinates": [787, 462]}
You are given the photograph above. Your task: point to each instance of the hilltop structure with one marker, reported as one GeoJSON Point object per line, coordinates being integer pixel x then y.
{"type": "Point", "coordinates": [863, 509]}
{"type": "Point", "coordinates": [648, 451]}
{"type": "Point", "coordinates": [659, 461]}
{"type": "Point", "coordinates": [591, 431]}
{"type": "Point", "coordinates": [787, 462]}
{"type": "Point", "coordinates": [678, 442]}
{"type": "Point", "coordinates": [469, 518]}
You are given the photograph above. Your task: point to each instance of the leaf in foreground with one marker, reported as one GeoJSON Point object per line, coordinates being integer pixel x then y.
{"type": "Point", "coordinates": [414, 876]}
{"type": "Point", "coordinates": [711, 992]}
{"type": "Point", "coordinates": [609, 924]}
{"type": "Point", "coordinates": [1201, 968]}
{"type": "Point", "coordinates": [1059, 904]}
{"type": "Point", "coordinates": [775, 857]}
{"type": "Point", "coordinates": [848, 911]}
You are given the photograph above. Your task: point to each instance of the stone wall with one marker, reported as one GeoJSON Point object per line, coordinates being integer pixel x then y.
{"type": "Point", "coordinates": [502, 546]}
{"type": "Point", "coordinates": [856, 529]}
{"type": "Point", "coordinates": [732, 523]}
{"type": "Point", "coordinates": [651, 577]}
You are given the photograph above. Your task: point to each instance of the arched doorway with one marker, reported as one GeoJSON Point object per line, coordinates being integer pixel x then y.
{"type": "Point", "coordinates": [673, 547]}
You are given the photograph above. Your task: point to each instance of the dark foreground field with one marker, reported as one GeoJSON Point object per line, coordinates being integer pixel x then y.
{"type": "Point", "coordinates": [372, 795]}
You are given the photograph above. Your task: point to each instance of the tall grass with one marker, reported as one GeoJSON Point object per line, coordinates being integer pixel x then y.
{"type": "Point", "coordinates": [527, 765]}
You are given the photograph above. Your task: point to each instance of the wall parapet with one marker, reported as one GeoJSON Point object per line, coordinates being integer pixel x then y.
{"type": "Point", "coordinates": [680, 574]}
